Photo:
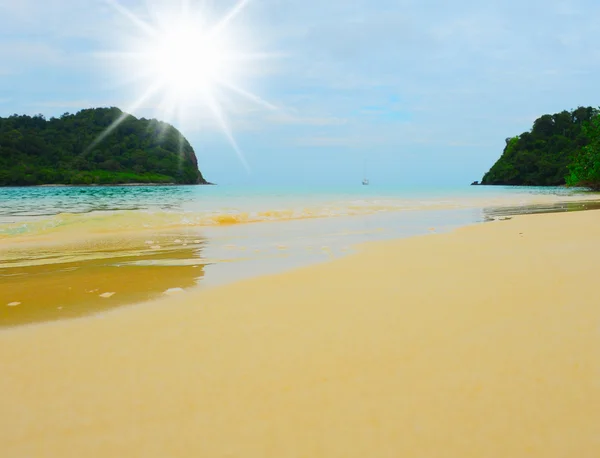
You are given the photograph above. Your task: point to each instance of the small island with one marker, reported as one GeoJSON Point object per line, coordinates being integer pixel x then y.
{"type": "Point", "coordinates": [65, 150]}
{"type": "Point", "coordinates": [560, 149]}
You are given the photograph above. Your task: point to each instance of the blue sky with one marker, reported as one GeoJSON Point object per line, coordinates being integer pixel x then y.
{"type": "Point", "coordinates": [424, 91]}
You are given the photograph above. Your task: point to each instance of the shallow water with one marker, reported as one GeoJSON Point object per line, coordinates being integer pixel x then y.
{"type": "Point", "coordinates": [215, 205]}
{"type": "Point", "coordinates": [70, 251]}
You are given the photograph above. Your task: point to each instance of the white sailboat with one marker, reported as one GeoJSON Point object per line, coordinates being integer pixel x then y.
{"type": "Point", "coordinates": [365, 180]}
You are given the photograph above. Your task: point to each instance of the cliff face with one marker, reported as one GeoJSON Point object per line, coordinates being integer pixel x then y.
{"type": "Point", "coordinates": [66, 150]}
{"type": "Point", "coordinates": [541, 156]}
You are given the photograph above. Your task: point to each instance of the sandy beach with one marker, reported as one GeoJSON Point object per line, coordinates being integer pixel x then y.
{"type": "Point", "coordinates": [484, 342]}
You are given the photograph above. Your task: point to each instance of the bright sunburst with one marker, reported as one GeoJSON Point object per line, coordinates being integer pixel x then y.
{"type": "Point", "coordinates": [184, 58]}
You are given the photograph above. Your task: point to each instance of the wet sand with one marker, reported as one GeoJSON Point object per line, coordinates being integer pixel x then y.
{"type": "Point", "coordinates": [67, 278]}
{"type": "Point", "coordinates": [47, 292]}
{"type": "Point", "coordinates": [482, 342]}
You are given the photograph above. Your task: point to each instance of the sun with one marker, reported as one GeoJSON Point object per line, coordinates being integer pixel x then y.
{"type": "Point", "coordinates": [187, 61]}
{"type": "Point", "coordinates": [185, 56]}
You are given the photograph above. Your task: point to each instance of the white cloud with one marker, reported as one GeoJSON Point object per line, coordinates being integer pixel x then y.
{"type": "Point", "coordinates": [347, 142]}
{"type": "Point", "coordinates": [281, 117]}
{"type": "Point", "coordinates": [19, 54]}
{"type": "Point", "coordinates": [72, 105]}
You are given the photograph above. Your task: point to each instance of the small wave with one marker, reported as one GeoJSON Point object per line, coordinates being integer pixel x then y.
{"type": "Point", "coordinates": [106, 222]}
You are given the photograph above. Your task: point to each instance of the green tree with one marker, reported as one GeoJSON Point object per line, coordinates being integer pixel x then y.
{"type": "Point", "coordinates": [585, 168]}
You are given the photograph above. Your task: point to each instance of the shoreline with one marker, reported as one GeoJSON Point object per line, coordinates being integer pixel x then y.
{"type": "Point", "coordinates": [479, 342]}
{"type": "Point", "coordinates": [195, 261]}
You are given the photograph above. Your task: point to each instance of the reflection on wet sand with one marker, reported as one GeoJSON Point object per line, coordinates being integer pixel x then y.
{"type": "Point", "coordinates": [495, 213]}
{"type": "Point", "coordinates": [54, 286]}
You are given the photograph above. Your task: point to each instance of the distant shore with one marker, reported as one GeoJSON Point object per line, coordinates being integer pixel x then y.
{"type": "Point", "coordinates": [108, 185]}
{"type": "Point", "coordinates": [482, 342]}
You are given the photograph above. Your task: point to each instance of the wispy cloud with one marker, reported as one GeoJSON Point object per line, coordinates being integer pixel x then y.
{"type": "Point", "coordinates": [21, 54]}
{"type": "Point", "coordinates": [281, 117]}
{"type": "Point", "coordinates": [347, 142]}
{"type": "Point", "coordinates": [68, 105]}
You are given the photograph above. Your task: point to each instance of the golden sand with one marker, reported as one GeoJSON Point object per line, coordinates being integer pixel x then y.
{"type": "Point", "coordinates": [480, 343]}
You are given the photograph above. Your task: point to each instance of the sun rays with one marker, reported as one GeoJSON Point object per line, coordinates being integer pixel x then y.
{"type": "Point", "coordinates": [184, 58]}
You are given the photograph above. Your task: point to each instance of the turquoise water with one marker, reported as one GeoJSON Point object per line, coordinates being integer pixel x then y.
{"type": "Point", "coordinates": [19, 203]}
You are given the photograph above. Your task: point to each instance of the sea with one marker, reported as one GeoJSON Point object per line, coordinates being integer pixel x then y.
{"type": "Point", "coordinates": [68, 251]}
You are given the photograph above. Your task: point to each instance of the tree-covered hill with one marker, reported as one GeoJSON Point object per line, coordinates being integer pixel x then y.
{"type": "Point", "coordinates": [65, 150]}
{"type": "Point", "coordinates": [541, 157]}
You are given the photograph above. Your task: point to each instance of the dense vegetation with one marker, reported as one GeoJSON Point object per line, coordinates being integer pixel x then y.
{"type": "Point", "coordinates": [584, 169]}
{"type": "Point", "coordinates": [66, 150]}
{"type": "Point", "coordinates": [547, 155]}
